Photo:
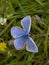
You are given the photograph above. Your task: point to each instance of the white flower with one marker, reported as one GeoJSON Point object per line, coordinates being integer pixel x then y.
{"type": "Point", "coordinates": [3, 21]}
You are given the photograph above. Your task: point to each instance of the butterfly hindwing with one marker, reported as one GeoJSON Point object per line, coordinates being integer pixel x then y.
{"type": "Point", "coordinates": [26, 23]}
{"type": "Point", "coordinates": [19, 43]}
{"type": "Point", "coordinates": [17, 32]}
{"type": "Point", "coordinates": [31, 46]}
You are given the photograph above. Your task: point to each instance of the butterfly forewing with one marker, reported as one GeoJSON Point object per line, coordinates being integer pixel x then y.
{"type": "Point", "coordinates": [26, 23]}
{"type": "Point", "coordinates": [17, 32]}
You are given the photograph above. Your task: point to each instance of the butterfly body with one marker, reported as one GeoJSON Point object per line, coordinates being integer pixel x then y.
{"type": "Point", "coordinates": [22, 36]}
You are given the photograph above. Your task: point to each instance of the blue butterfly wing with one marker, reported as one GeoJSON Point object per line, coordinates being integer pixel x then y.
{"type": "Point", "coordinates": [31, 46]}
{"type": "Point", "coordinates": [17, 32]}
{"type": "Point", "coordinates": [19, 43]}
{"type": "Point", "coordinates": [26, 23]}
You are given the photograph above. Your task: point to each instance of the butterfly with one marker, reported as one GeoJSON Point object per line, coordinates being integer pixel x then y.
{"type": "Point", "coordinates": [22, 36]}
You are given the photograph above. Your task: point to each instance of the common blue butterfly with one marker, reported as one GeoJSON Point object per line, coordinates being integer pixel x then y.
{"type": "Point", "coordinates": [22, 36]}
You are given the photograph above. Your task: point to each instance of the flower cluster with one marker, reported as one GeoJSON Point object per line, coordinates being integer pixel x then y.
{"type": "Point", "coordinates": [3, 21]}
{"type": "Point", "coordinates": [2, 46]}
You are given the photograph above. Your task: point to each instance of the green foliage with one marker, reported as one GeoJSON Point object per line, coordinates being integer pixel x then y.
{"type": "Point", "coordinates": [14, 11]}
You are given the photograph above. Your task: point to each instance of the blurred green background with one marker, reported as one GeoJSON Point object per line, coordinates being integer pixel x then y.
{"type": "Point", "coordinates": [14, 11]}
